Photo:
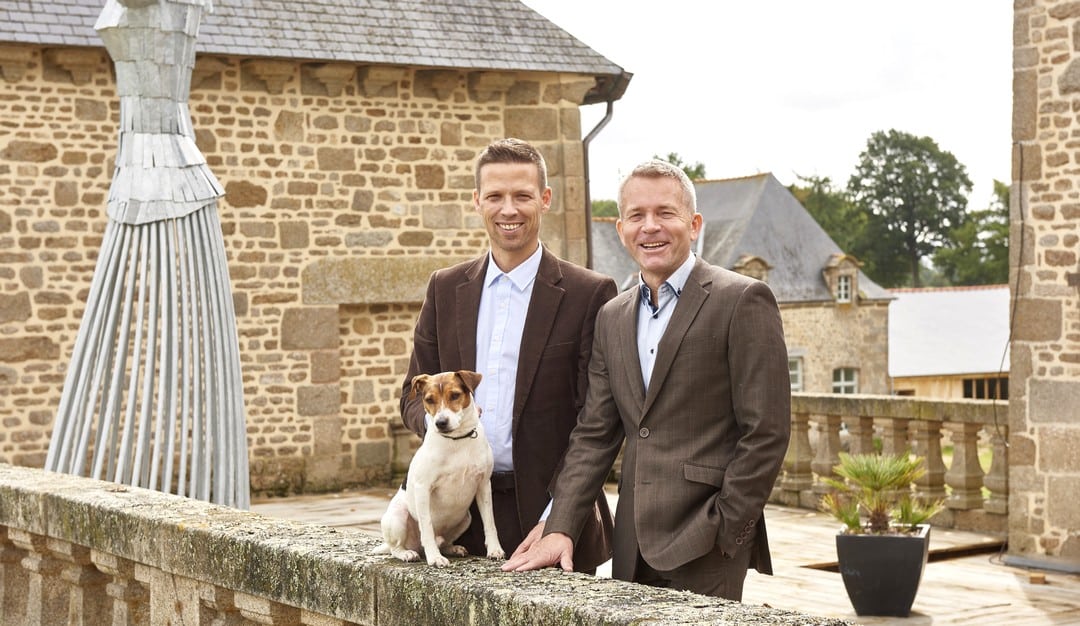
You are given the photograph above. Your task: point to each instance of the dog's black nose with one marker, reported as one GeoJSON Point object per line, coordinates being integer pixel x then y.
{"type": "Point", "coordinates": [442, 423]}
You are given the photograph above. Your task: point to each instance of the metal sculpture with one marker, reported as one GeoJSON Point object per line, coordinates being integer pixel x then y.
{"type": "Point", "coordinates": [153, 396]}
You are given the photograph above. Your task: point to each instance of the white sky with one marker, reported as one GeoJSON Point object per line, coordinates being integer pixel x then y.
{"type": "Point", "coordinates": [796, 87]}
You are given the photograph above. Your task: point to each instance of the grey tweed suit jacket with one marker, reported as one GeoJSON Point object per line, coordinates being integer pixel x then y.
{"type": "Point", "coordinates": [704, 444]}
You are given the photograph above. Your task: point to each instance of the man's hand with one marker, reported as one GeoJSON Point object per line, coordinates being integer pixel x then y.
{"type": "Point", "coordinates": [534, 535]}
{"type": "Point", "coordinates": [552, 549]}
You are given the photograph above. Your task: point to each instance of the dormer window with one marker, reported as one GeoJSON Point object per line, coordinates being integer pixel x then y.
{"type": "Point", "coordinates": [843, 288]}
{"type": "Point", "coordinates": [841, 275]}
{"type": "Point", "coordinates": [753, 266]}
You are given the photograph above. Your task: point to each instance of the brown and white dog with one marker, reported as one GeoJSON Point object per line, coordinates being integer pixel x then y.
{"type": "Point", "coordinates": [451, 468]}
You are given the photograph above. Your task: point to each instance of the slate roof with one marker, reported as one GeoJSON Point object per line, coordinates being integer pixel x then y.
{"type": "Point", "coordinates": [459, 34]}
{"type": "Point", "coordinates": [949, 331]}
{"type": "Point", "coordinates": [754, 215]}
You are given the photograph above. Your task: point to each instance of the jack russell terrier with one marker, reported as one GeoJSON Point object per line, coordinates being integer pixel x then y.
{"type": "Point", "coordinates": [451, 468]}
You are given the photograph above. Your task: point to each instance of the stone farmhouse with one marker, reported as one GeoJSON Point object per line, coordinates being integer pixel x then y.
{"type": "Point", "coordinates": [950, 342]}
{"type": "Point", "coordinates": [344, 135]}
{"type": "Point", "coordinates": [835, 318]}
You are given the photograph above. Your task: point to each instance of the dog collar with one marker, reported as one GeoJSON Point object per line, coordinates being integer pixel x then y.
{"type": "Point", "coordinates": [469, 435]}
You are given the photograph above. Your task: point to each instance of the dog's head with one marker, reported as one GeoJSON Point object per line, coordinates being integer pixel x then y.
{"type": "Point", "coordinates": [448, 398]}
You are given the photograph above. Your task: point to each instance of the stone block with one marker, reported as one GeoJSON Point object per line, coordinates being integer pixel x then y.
{"type": "Point", "coordinates": [309, 328]}
{"type": "Point", "coordinates": [318, 400]}
{"type": "Point", "coordinates": [372, 453]}
{"type": "Point", "coordinates": [289, 126]}
{"type": "Point", "coordinates": [28, 151]}
{"type": "Point", "coordinates": [416, 238]}
{"type": "Point", "coordinates": [430, 177]}
{"type": "Point", "coordinates": [441, 216]}
{"type": "Point", "coordinates": [91, 110]}
{"type": "Point", "coordinates": [16, 349]}
{"type": "Point", "coordinates": [370, 280]}
{"type": "Point", "coordinates": [1053, 401]}
{"type": "Point", "coordinates": [325, 366]}
{"type": "Point", "coordinates": [293, 235]}
{"type": "Point", "coordinates": [242, 194]}
{"type": "Point", "coordinates": [532, 124]}
{"type": "Point", "coordinates": [1025, 105]}
{"type": "Point", "coordinates": [362, 200]}
{"type": "Point", "coordinates": [1037, 319]}
{"type": "Point", "coordinates": [363, 392]}
{"type": "Point", "coordinates": [1059, 449]}
{"type": "Point", "coordinates": [336, 159]}
{"type": "Point", "coordinates": [1062, 505]}
{"type": "Point", "coordinates": [15, 307]}
{"type": "Point", "coordinates": [327, 432]}
{"type": "Point", "coordinates": [66, 193]}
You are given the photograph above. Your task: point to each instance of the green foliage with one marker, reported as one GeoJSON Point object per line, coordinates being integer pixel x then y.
{"type": "Point", "coordinates": [879, 487]}
{"type": "Point", "coordinates": [915, 196]}
{"type": "Point", "coordinates": [834, 211]}
{"type": "Point", "coordinates": [605, 208]}
{"type": "Point", "coordinates": [695, 171]}
{"type": "Point", "coordinates": [978, 250]}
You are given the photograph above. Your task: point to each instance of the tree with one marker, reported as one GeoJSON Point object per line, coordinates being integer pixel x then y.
{"type": "Point", "coordinates": [979, 251]}
{"type": "Point", "coordinates": [605, 208]}
{"type": "Point", "coordinates": [695, 171]}
{"type": "Point", "coordinates": [915, 195]}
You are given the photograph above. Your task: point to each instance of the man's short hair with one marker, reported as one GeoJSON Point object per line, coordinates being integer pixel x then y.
{"type": "Point", "coordinates": [662, 169]}
{"type": "Point", "coordinates": [511, 150]}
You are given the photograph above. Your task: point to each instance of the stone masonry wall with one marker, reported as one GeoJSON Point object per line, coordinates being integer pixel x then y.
{"type": "Point", "coordinates": [345, 187]}
{"type": "Point", "coordinates": [1044, 384]}
{"type": "Point", "coordinates": [837, 336]}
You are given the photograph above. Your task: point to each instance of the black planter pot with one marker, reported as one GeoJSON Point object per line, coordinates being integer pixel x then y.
{"type": "Point", "coordinates": [882, 572]}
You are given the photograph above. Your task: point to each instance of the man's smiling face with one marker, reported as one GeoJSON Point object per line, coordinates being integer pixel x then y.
{"type": "Point", "coordinates": [511, 202]}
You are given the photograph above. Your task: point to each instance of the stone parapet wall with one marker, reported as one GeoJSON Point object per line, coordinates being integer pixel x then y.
{"type": "Point", "coordinates": [345, 187]}
{"type": "Point", "coordinates": [102, 554]}
{"type": "Point", "coordinates": [1044, 248]}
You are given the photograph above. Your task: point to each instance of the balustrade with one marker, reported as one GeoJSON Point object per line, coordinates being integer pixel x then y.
{"type": "Point", "coordinates": [822, 425]}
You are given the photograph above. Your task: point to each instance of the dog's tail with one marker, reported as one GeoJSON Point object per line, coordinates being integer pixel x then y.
{"type": "Point", "coordinates": [383, 548]}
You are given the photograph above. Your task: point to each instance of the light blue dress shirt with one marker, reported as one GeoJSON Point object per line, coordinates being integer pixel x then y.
{"type": "Point", "coordinates": [653, 321]}
{"type": "Point", "coordinates": [504, 303]}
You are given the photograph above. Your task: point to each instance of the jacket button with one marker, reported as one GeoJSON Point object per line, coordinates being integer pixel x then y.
{"type": "Point", "coordinates": [738, 541]}
{"type": "Point", "coordinates": [643, 433]}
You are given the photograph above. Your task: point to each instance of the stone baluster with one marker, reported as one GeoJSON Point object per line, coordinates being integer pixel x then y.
{"type": "Point", "coordinates": [798, 475]}
{"type": "Point", "coordinates": [87, 602]}
{"type": "Point", "coordinates": [174, 599]}
{"type": "Point", "coordinates": [997, 479]}
{"type": "Point", "coordinates": [129, 597]}
{"type": "Point", "coordinates": [827, 454]}
{"type": "Point", "coordinates": [264, 611]}
{"type": "Point", "coordinates": [861, 434]}
{"type": "Point", "coordinates": [14, 582]}
{"type": "Point", "coordinates": [931, 486]}
{"type": "Point", "coordinates": [965, 475]}
{"type": "Point", "coordinates": [894, 436]}
{"type": "Point", "coordinates": [219, 606]}
{"type": "Point", "coordinates": [46, 593]}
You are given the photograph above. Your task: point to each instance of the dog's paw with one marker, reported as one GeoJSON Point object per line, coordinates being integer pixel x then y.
{"type": "Point", "coordinates": [408, 556]}
{"type": "Point", "coordinates": [497, 553]}
{"type": "Point", "coordinates": [438, 560]}
{"type": "Point", "coordinates": [456, 550]}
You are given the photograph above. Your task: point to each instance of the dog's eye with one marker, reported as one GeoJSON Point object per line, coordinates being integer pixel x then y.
{"type": "Point", "coordinates": [429, 399]}
{"type": "Point", "coordinates": [455, 395]}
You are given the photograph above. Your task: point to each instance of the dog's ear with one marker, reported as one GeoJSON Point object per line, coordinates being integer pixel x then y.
{"type": "Point", "coordinates": [470, 378]}
{"type": "Point", "coordinates": [418, 384]}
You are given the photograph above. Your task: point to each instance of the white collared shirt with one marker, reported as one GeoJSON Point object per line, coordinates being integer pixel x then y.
{"type": "Point", "coordinates": [504, 304]}
{"type": "Point", "coordinates": [653, 321]}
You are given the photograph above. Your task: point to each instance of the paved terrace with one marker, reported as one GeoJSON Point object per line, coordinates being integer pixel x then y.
{"type": "Point", "coordinates": [965, 582]}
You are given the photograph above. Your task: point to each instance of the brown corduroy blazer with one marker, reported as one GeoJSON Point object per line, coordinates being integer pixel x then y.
{"type": "Point", "coordinates": [551, 375]}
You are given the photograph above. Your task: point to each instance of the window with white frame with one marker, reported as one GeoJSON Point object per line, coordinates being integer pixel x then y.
{"type": "Point", "coordinates": [843, 288]}
{"type": "Point", "coordinates": [845, 380]}
{"type": "Point", "coordinates": [794, 366]}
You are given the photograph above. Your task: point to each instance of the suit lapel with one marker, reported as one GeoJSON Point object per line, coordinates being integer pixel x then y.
{"type": "Point", "coordinates": [468, 311]}
{"type": "Point", "coordinates": [539, 320]}
{"type": "Point", "coordinates": [686, 309]}
{"type": "Point", "coordinates": [624, 349]}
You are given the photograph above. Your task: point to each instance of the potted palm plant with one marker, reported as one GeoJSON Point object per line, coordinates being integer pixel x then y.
{"type": "Point", "coordinates": [884, 543]}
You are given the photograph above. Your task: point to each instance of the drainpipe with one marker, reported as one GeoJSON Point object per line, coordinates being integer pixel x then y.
{"type": "Point", "coordinates": [588, 194]}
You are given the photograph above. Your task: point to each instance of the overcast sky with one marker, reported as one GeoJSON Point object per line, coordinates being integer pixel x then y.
{"type": "Point", "coordinates": [796, 87]}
